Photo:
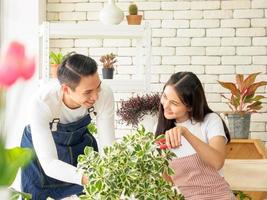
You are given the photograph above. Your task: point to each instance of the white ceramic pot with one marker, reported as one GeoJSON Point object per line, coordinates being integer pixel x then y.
{"type": "Point", "coordinates": [149, 122]}
{"type": "Point", "coordinates": [111, 14]}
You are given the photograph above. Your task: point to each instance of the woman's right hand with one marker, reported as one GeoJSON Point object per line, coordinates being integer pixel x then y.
{"type": "Point", "coordinates": [173, 137]}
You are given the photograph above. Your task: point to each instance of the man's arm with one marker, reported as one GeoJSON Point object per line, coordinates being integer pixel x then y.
{"type": "Point", "coordinates": [105, 118]}
{"type": "Point", "coordinates": [45, 147]}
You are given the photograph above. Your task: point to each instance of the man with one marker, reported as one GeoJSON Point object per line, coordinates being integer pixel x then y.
{"type": "Point", "coordinates": [58, 128]}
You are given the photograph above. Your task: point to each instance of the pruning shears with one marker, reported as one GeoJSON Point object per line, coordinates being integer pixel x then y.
{"type": "Point", "coordinates": [162, 143]}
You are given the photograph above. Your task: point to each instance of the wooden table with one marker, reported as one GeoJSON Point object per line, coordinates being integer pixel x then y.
{"type": "Point", "coordinates": [245, 168]}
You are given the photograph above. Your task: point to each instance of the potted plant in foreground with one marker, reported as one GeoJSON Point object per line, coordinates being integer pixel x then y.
{"type": "Point", "coordinates": [140, 110]}
{"type": "Point", "coordinates": [14, 65]}
{"type": "Point", "coordinates": [243, 102]}
{"type": "Point", "coordinates": [55, 60]}
{"type": "Point", "coordinates": [129, 169]}
{"type": "Point", "coordinates": [133, 18]}
{"type": "Point", "coordinates": [108, 62]}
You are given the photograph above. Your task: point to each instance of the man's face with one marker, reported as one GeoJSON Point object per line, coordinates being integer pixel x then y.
{"type": "Point", "coordinates": [86, 93]}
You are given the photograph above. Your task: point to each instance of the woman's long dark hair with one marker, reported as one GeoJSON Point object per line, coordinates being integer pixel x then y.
{"type": "Point", "coordinates": [190, 91]}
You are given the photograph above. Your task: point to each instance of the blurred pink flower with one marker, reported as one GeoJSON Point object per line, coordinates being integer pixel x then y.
{"type": "Point", "coordinates": [15, 64]}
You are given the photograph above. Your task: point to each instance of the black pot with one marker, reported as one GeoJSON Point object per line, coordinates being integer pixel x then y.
{"type": "Point", "coordinates": [107, 73]}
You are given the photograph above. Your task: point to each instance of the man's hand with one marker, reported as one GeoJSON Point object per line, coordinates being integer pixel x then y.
{"type": "Point", "coordinates": [85, 180]}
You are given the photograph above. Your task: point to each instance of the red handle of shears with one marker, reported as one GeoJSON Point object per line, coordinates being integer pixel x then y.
{"type": "Point", "coordinates": [162, 143]}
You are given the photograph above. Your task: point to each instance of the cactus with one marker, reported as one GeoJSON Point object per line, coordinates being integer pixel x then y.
{"type": "Point", "coordinates": [133, 9]}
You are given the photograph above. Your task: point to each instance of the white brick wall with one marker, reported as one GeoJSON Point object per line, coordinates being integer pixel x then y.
{"type": "Point", "coordinates": [214, 39]}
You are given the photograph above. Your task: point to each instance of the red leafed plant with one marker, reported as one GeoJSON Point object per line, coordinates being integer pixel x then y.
{"type": "Point", "coordinates": [134, 109]}
{"type": "Point", "coordinates": [243, 98]}
{"type": "Point", "coordinates": [108, 60]}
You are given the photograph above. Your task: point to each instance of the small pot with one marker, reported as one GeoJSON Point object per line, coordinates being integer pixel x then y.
{"type": "Point", "coordinates": [53, 70]}
{"type": "Point", "coordinates": [134, 19]}
{"type": "Point", "coordinates": [107, 73]}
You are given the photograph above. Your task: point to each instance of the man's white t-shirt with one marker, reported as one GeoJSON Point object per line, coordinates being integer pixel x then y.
{"type": "Point", "coordinates": [46, 106]}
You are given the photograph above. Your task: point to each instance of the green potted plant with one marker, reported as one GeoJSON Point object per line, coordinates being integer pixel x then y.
{"type": "Point", "coordinates": [243, 101]}
{"type": "Point", "coordinates": [55, 60]}
{"type": "Point", "coordinates": [133, 18]}
{"type": "Point", "coordinates": [10, 162]}
{"type": "Point", "coordinates": [130, 169]}
{"type": "Point", "coordinates": [108, 62]}
{"type": "Point", "coordinates": [140, 110]}
{"type": "Point", "coordinates": [14, 65]}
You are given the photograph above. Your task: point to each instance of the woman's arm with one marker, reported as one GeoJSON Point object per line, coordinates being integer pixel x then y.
{"type": "Point", "coordinates": [212, 153]}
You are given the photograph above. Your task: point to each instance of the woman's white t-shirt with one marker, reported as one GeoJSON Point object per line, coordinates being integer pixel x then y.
{"type": "Point", "coordinates": [211, 126]}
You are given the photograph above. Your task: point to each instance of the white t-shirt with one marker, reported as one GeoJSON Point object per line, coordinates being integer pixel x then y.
{"type": "Point", "coordinates": [211, 126]}
{"type": "Point", "coordinates": [45, 107]}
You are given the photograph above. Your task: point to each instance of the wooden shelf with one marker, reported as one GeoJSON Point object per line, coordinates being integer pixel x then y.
{"type": "Point", "coordinates": [245, 168]}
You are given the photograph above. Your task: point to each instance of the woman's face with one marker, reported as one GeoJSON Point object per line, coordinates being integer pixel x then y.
{"type": "Point", "coordinates": [173, 106]}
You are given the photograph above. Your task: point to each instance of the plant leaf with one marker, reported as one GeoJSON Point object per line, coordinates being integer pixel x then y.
{"type": "Point", "coordinates": [15, 158]}
{"type": "Point", "coordinates": [252, 88]}
{"type": "Point", "coordinates": [230, 86]}
{"type": "Point", "coordinates": [239, 81]}
{"type": "Point", "coordinates": [249, 80]}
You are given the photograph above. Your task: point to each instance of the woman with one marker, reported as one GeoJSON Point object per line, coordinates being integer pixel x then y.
{"type": "Point", "coordinates": [197, 136]}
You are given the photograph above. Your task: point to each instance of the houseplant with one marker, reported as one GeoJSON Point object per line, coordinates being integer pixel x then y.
{"type": "Point", "coordinates": [140, 110]}
{"type": "Point", "coordinates": [13, 65]}
{"type": "Point", "coordinates": [129, 169]}
{"type": "Point", "coordinates": [108, 62]}
{"type": "Point", "coordinates": [243, 101]}
{"type": "Point", "coordinates": [133, 18]}
{"type": "Point", "coordinates": [55, 60]}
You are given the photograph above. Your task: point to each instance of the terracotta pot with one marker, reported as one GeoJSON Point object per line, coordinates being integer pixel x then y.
{"type": "Point", "coordinates": [53, 70]}
{"type": "Point", "coordinates": [134, 19]}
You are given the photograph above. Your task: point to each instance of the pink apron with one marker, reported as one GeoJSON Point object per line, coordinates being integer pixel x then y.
{"type": "Point", "coordinates": [198, 181]}
{"type": "Point", "coordinates": [195, 179]}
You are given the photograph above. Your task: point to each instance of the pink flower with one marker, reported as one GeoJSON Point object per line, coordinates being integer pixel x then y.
{"type": "Point", "coordinates": [14, 64]}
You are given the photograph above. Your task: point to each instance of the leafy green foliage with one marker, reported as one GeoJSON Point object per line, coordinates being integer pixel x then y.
{"type": "Point", "coordinates": [56, 58]}
{"type": "Point", "coordinates": [15, 195]}
{"type": "Point", "coordinates": [10, 161]}
{"type": "Point", "coordinates": [243, 98]}
{"type": "Point", "coordinates": [241, 195]}
{"type": "Point", "coordinates": [131, 168]}
{"type": "Point", "coordinates": [92, 128]}
{"type": "Point", "coordinates": [133, 9]}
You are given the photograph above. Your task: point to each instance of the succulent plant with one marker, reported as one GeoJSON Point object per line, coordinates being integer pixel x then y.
{"type": "Point", "coordinates": [108, 60]}
{"type": "Point", "coordinates": [133, 9]}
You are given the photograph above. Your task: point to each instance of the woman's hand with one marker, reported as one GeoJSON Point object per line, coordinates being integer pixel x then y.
{"type": "Point", "coordinates": [85, 180]}
{"type": "Point", "coordinates": [173, 136]}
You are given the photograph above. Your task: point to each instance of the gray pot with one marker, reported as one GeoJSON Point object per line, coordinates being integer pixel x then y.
{"type": "Point", "coordinates": [239, 125]}
{"type": "Point", "coordinates": [107, 73]}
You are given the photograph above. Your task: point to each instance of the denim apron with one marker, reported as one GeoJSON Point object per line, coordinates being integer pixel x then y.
{"type": "Point", "coordinates": [70, 140]}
